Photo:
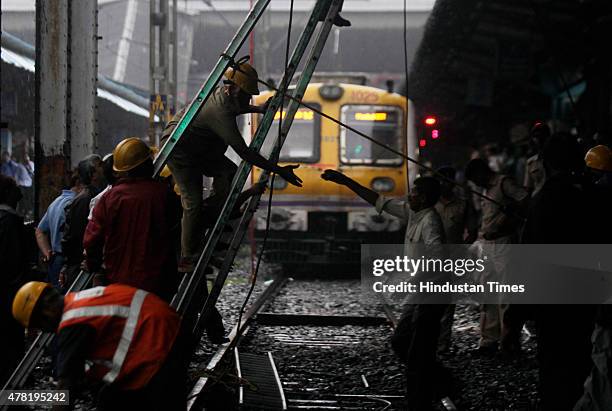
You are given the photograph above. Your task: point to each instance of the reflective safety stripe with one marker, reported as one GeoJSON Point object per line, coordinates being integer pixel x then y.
{"type": "Point", "coordinates": [95, 311]}
{"type": "Point", "coordinates": [89, 293]}
{"type": "Point", "coordinates": [126, 336]}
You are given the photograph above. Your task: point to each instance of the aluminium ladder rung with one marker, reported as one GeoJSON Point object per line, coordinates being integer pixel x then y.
{"type": "Point", "coordinates": [260, 387]}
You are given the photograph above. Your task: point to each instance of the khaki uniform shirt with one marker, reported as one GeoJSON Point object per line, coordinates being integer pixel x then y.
{"type": "Point", "coordinates": [535, 175]}
{"type": "Point", "coordinates": [454, 219]}
{"type": "Point", "coordinates": [210, 132]}
{"type": "Point", "coordinates": [492, 215]}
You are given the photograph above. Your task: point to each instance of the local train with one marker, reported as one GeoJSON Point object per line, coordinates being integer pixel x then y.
{"type": "Point", "coordinates": [322, 223]}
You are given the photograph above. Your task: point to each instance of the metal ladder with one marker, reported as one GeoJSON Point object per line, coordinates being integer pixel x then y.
{"type": "Point", "coordinates": [193, 289]}
{"type": "Point", "coordinates": [36, 350]}
{"type": "Point", "coordinates": [194, 285]}
{"type": "Point", "coordinates": [292, 108]}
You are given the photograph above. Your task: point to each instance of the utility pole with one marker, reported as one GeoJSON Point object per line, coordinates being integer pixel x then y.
{"type": "Point", "coordinates": [264, 50]}
{"type": "Point", "coordinates": [162, 65]}
{"type": "Point", "coordinates": [65, 84]}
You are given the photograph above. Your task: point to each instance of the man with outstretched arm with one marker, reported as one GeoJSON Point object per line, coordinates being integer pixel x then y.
{"type": "Point", "coordinates": [415, 338]}
{"type": "Point", "coordinates": [201, 151]}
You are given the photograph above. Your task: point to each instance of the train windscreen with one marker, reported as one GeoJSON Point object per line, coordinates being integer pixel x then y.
{"type": "Point", "coordinates": [382, 123]}
{"type": "Point", "coordinates": [302, 143]}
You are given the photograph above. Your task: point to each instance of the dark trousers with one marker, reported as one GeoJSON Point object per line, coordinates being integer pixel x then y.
{"type": "Point", "coordinates": [415, 341]}
{"type": "Point", "coordinates": [167, 390]}
{"type": "Point", "coordinates": [189, 180]}
{"type": "Point", "coordinates": [214, 325]}
{"type": "Point", "coordinates": [563, 334]}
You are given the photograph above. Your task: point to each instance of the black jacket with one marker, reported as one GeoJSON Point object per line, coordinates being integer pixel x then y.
{"type": "Point", "coordinates": [14, 253]}
{"type": "Point", "coordinates": [74, 228]}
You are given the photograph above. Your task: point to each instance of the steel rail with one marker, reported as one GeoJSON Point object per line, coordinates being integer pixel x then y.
{"type": "Point", "coordinates": [239, 329]}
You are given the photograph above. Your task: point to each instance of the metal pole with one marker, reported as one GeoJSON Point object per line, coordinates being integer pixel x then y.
{"type": "Point", "coordinates": [152, 65]}
{"type": "Point", "coordinates": [52, 155]}
{"type": "Point", "coordinates": [83, 72]}
{"type": "Point", "coordinates": [164, 63]}
{"type": "Point", "coordinates": [159, 67]}
{"type": "Point", "coordinates": [173, 106]}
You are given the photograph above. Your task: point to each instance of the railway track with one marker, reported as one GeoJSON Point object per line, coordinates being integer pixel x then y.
{"type": "Point", "coordinates": [297, 347]}
{"type": "Point", "coordinates": [285, 354]}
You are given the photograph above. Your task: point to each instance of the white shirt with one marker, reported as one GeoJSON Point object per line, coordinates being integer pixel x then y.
{"type": "Point", "coordinates": [94, 201]}
{"type": "Point", "coordinates": [424, 226]}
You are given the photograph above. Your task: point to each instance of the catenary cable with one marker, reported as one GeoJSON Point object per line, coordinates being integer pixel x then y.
{"type": "Point", "coordinates": [273, 175]}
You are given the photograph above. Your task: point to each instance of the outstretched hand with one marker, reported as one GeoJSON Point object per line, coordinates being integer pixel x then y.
{"type": "Point", "coordinates": [287, 173]}
{"type": "Point", "coordinates": [335, 177]}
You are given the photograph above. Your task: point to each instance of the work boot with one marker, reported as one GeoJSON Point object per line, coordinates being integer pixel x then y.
{"type": "Point", "coordinates": [487, 350]}
{"type": "Point", "coordinates": [341, 21]}
{"type": "Point", "coordinates": [218, 339]}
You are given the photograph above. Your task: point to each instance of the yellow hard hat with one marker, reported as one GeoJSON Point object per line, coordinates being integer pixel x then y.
{"type": "Point", "coordinates": [599, 158]}
{"type": "Point", "coordinates": [245, 78]}
{"type": "Point", "coordinates": [25, 300]}
{"type": "Point", "coordinates": [130, 153]}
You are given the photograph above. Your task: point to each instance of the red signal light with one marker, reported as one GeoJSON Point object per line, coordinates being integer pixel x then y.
{"type": "Point", "coordinates": [430, 120]}
{"type": "Point", "coordinates": [422, 143]}
{"type": "Point", "coordinates": [435, 134]}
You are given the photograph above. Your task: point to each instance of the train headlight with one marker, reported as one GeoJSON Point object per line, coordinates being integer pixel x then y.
{"type": "Point", "coordinates": [382, 184]}
{"type": "Point", "coordinates": [331, 92]}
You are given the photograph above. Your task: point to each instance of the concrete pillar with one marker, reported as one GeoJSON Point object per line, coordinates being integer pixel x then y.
{"type": "Point", "coordinates": [82, 78]}
{"type": "Point", "coordinates": [65, 111]}
{"type": "Point", "coordinates": [51, 112]}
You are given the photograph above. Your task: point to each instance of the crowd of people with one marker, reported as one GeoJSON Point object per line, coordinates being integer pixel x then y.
{"type": "Point", "coordinates": [137, 235]}
{"type": "Point", "coordinates": [114, 220]}
{"type": "Point", "coordinates": [22, 171]}
{"type": "Point", "coordinates": [564, 200]}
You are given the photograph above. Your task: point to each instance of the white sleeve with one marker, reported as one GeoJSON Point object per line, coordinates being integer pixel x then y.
{"type": "Point", "coordinates": [393, 206]}
{"type": "Point", "coordinates": [433, 232]}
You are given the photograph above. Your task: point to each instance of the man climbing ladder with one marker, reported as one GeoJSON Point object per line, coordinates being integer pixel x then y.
{"type": "Point", "coordinates": [201, 151]}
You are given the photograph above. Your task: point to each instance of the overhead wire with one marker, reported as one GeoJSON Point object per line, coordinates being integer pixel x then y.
{"type": "Point", "coordinates": [385, 146]}
{"type": "Point", "coordinates": [273, 175]}
{"type": "Point", "coordinates": [405, 119]}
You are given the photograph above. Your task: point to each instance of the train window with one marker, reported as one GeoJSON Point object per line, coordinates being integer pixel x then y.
{"type": "Point", "coordinates": [302, 143]}
{"type": "Point", "coordinates": [383, 123]}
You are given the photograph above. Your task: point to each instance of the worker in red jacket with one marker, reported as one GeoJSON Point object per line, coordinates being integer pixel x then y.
{"type": "Point", "coordinates": [128, 239]}
{"type": "Point", "coordinates": [130, 336]}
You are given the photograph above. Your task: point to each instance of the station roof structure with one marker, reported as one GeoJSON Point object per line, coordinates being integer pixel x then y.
{"type": "Point", "coordinates": [507, 58]}
{"type": "Point", "coordinates": [26, 63]}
